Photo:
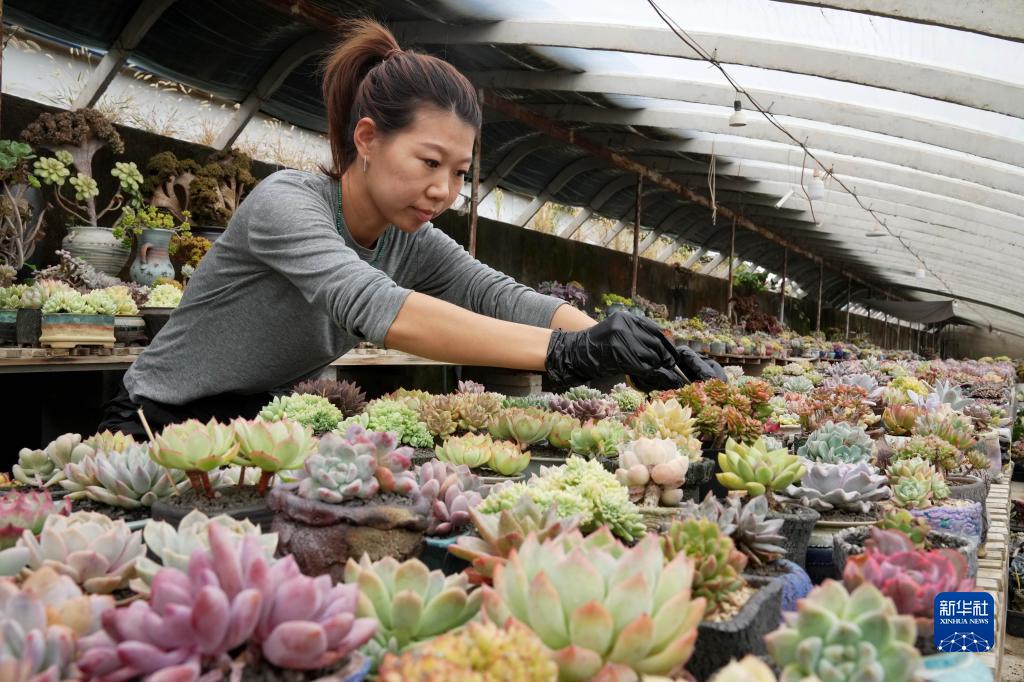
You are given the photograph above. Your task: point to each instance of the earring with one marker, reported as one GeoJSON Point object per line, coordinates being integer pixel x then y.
{"type": "Point", "coordinates": [364, 163]}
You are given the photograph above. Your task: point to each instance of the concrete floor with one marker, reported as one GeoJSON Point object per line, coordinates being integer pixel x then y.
{"type": "Point", "coordinates": [1013, 648]}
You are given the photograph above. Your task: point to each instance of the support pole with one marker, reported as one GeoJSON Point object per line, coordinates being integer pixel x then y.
{"type": "Point", "coordinates": [782, 287]}
{"type": "Point", "coordinates": [732, 257]}
{"type": "Point", "coordinates": [821, 279]}
{"type": "Point", "coordinates": [849, 291]}
{"type": "Point", "coordinates": [636, 236]}
{"type": "Point", "coordinates": [3, 37]}
{"type": "Point", "coordinates": [474, 198]}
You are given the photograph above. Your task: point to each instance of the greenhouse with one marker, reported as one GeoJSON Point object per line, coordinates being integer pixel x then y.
{"type": "Point", "coordinates": [474, 341]}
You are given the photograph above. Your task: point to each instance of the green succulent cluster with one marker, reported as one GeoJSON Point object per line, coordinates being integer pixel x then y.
{"type": "Point", "coordinates": [916, 483]}
{"type": "Point", "coordinates": [718, 565]}
{"type": "Point", "coordinates": [838, 443]}
{"type": "Point", "coordinates": [944, 456]}
{"type": "Point", "coordinates": [10, 297]}
{"type": "Point", "coordinates": [395, 416]}
{"type": "Point", "coordinates": [71, 301]}
{"type": "Point", "coordinates": [916, 528]}
{"type": "Point", "coordinates": [124, 304]}
{"type": "Point", "coordinates": [314, 411]}
{"type": "Point", "coordinates": [598, 439]}
{"type": "Point", "coordinates": [164, 296]}
{"type": "Point", "coordinates": [628, 399]}
{"type": "Point", "coordinates": [580, 487]}
{"type": "Point", "coordinates": [756, 469]}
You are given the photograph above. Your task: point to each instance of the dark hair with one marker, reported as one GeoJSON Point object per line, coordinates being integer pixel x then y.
{"type": "Point", "coordinates": [368, 74]}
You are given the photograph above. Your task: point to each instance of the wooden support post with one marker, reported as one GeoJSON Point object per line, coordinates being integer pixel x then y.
{"type": "Point", "coordinates": [782, 286]}
{"type": "Point", "coordinates": [474, 198]}
{"type": "Point", "coordinates": [899, 328]}
{"type": "Point", "coordinates": [849, 291]}
{"type": "Point", "coordinates": [732, 257]}
{"type": "Point", "coordinates": [636, 236]}
{"type": "Point", "coordinates": [821, 280]}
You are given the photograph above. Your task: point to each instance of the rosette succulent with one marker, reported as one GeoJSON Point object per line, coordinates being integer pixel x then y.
{"type": "Point", "coordinates": [471, 450]}
{"type": "Point", "coordinates": [272, 446]}
{"type": "Point", "coordinates": [798, 384]}
{"type": "Point", "coordinates": [835, 443]}
{"type": "Point", "coordinates": [899, 419]}
{"type": "Point", "coordinates": [453, 492]}
{"type": "Point", "coordinates": [562, 426]}
{"type": "Point", "coordinates": [163, 296]}
{"type": "Point", "coordinates": [21, 511]}
{"type": "Point", "coordinates": [844, 487]}
{"type": "Point", "coordinates": [756, 469]}
{"type": "Point", "coordinates": [32, 648]}
{"type": "Point", "coordinates": [845, 637]}
{"type": "Point", "coordinates": [357, 467]}
{"type": "Point", "coordinates": [97, 553]}
{"type": "Point", "coordinates": [44, 468]}
{"type": "Point", "coordinates": [394, 416]}
{"type": "Point", "coordinates": [598, 439]}
{"type": "Point", "coordinates": [498, 534]}
{"type": "Point", "coordinates": [916, 483]}
{"type": "Point", "coordinates": [594, 408]}
{"type": "Point", "coordinates": [747, 523]}
{"type": "Point", "coordinates": [410, 602]}
{"type": "Point", "coordinates": [952, 427]}
{"type": "Point", "coordinates": [604, 610]}
{"type": "Point", "coordinates": [582, 392]}
{"type": "Point", "coordinates": [717, 564]}
{"type": "Point", "coordinates": [345, 395]}
{"type": "Point", "coordinates": [628, 399]}
{"type": "Point", "coordinates": [669, 419]}
{"type": "Point", "coordinates": [225, 600]}
{"type": "Point", "coordinates": [440, 415]}
{"type": "Point", "coordinates": [653, 470]}
{"type": "Point", "coordinates": [128, 479]}
{"type": "Point", "coordinates": [314, 411]}
{"type": "Point", "coordinates": [507, 459]}
{"type": "Point", "coordinates": [195, 448]}
{"type": "Point", "coordinates": [173, 547]}
{"type": "Point", "coordinates": [476, 410]}
{"type": "Point", "coordinates": [524, 426]}
{"type": "Point", "coordinates": [916, 528]}
{"type": "Point", "coordinates": [944, 456]}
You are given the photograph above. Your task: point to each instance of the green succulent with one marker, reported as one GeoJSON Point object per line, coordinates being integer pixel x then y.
{"type": "Point", "coordinates": [598, 439]}
{"type": "Point", "coordinates": [68, 302]}
{"type": "Point", "coordinates": [128, 175]}
{"type": "Point", "coordinates": [524, 426]}
{"type": "Point", "coordinates": [916, 483]}
{"type": "Point", "coordinates": [101, 302]}
{"type": "Point", "coordinates": [838, 443]}
{"type": "Point", "coordinates": [163, 296]}
{"type": "Point", "coordinates": [840, 636]}
{"type": "Point", "coordinates": [124, 304]}
{"type": "Point", "coordinates": [914, 527]}
{"type": "Point", "coordinates": [471, 449]}
{"type": "Point", "coordinates": [314, 411]}
{"type": "Point", "coordinates": [562, 427]}
{"type": "Point", "coordinates": [85, 187]}
{"type": "Point", "coordinates": [718, 565]}
{"type": "Point", "coordinates": [944, 456]}
{"type": "Point", "coordinates": [582, 393]}
{"type": "Point", "coordinates": [410, 602]}
{"type": "Point", "coordinates": [130, 479]}
{"type": "Point", "coordinates": [628, 399]}
{"type": "Point", "coordinates": [44, 468]}
{"type": "Point", "coordinates": [397, 417]}
{"type": "Point", "coordinates": [756, 469]}
{"type": "Point", "coordinates": [52, 171]}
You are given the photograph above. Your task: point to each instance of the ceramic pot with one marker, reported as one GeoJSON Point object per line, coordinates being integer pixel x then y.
{"type": "Point", "coordinates": [98, 247]}
{"type": "Point", "coordinates": [152, 261]}
{"type": "Point", "coordinates": [67, 330]}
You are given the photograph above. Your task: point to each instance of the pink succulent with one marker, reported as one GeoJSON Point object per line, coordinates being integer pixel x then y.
{"type": "Point", "coordinates": [27, 511]}
{"type": "Point", "coordinates": [195, 620]}
{"type": "Point", "coordinates": [911, 579]}
{"type": "Point", "coordinates": [393, 464]}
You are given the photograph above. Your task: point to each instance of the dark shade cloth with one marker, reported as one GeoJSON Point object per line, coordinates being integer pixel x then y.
{"type": "Point", "coordinates": [924, 312]}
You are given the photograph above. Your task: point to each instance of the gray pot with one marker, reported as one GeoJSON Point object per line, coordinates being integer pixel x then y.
{"type": "Point", "coordinates": [698, 474]}
{"type": "Point", "coordinates": [850, 542]}
{"type": "Point", "coordinates": [98, 247]}
{"type": "Point", "coordinates": [129, 329]}
{"type": "Point", "coordinates": [718, 643]}
{"type": "Point", "coordinates": [797, 524]}
{"type": "Point", "coordinates": [8, 327]}
{"type": "Point", "coordinates": [29, 326]}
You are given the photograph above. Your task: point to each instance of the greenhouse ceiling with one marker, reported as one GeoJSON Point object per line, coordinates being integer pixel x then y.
{"type": "Point", "coordinates": [914, 110]}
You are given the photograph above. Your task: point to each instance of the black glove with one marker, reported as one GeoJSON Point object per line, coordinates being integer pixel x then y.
{"type": "Point", "coordinates": [621, 343]}
{"type": "Point", "coordinates": [697, 367]}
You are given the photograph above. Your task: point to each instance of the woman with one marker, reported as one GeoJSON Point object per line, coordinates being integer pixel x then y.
{"type": "Point", "coordinates": [312, 264]}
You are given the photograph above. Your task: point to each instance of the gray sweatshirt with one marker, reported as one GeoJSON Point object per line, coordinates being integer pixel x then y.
{"type": "Point", "coordinates": [286, 290]}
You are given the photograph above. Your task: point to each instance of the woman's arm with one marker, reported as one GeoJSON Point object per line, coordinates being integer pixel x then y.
{"type": "Point", "coordinates": [570, 319]}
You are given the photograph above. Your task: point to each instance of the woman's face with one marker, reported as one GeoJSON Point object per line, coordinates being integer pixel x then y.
{"type": "Point", "coordinates": [416, 173]}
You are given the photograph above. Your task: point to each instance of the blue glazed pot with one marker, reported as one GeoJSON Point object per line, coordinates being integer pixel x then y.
{"type": "Point", "coordinates": [954, 668]}
{"type": "Point", "coordinates": [796, 584]}
{"type": "Point", "coordinates": [437, 557]}
{"type": "Point", "coordinates": [963, 520]}
{"type": "Point", "coordinates": [152, 261]}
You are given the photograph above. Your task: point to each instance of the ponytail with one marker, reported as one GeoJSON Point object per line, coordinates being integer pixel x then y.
{"type": "Point", "coordinates": [369, 75]}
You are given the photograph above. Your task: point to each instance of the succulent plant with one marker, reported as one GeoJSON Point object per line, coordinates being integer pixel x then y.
{"type": "Point", "coordinates": [345, 395]}
{"type": "Point", "coordinates": [835, 443]}
{"type": "Point", "coordinates": [173, 547]}
{"type": "Point", "coordinates": [976, 460]}
{"type": "Point", "coordinates": [944, 456]}
{"type": "Point", "coordinates": [32, 648]}
{"type": "Point", "coordinates": [580, 487]}
{"type": "Point", "coordinates": [163, 296]}
{"type": "Point", "coordinates": [717, 424]}
{"type": "Point", "coordinates": [477, 410]}
{"type": "Point", "coordinates": [747, 523]}
{"type": "Point", "coordinates": [507, 459]}
{"type": "Point", "coordinates": [748, 669]}
{"type": "Point", "coordinates": [944, 393]}
{"type": "Point", "coordinates": [478, 651]}
{"type": "Point", "coordinates": [843, 487]}
{"type": "Point", "coordinates": [606, 611]}
{"type": "Point", "coordinates": [534, 400]}
{"type": "Point", "coordinates": [124, 303]}
{"type": "Point", "coordinates": [798, 384]}
{"type": "Point", "coordinates": [394, 416]}
{"type": "Point", "coordinates": [440, 415]}
{"type": "Point", "coordinates": [669, 419]}
{"type": "Point", "coordinates": [356, 467]}
{"type": "Point", "coordinates": [845, 637]}
{"type": "Point", "coordinates": [453, 492]}
{"type": "Point", "coordinates": [899, 419]}
{"type": "Point", "coordinates": [585, 409]}
{"type": "Point", "coordinates": [916, 483]}
{"type": "Point", "coordinates": [314, 411]}
{"type": "Point", "coordinates": [97, 553]}
{"type": "Point", "coordinates": [653, 470]}
{"type": "Point", "coordinates": [916, 528]}
{"type": "Point", "coordinates": [582, 393]}
{"type": "Point", "coordinates": [272, 446]}
{"type": "Point", "coordinates": [470, 386]}
{"type": "Point", "coordinates": [129, 479]}
{"type": "Point", "coordinates": [756, 469]}
{"type": "Point", "coordinates": [627, 398]}
{"type": "Point", "coordinates": [21, 511]}
{"type": "Point", "coordinates": [717, 563]}
{"type": "Point", "coordinates": [195, 448]}
{"type": "Point", "coordinates": [227, 598]}
{"type": "Point", "coordinates": [498, 534]}
{"type": "Point", "coordinates": [410, 397]}
{"type": "Point", "coordinates": [598, 439]}
{"type": "Point", "coordinates": [472, 450]}
{"type": "Point", "coordinates": [562, 426]}
{"type": "Point", "coordinates": [912, 579]}
{"type": "Point", "coordinates": [524, 426]}
{"type": "Point", "coordinates": [952, 427]}
{"type": "Point", "coordinates": [108, 441]}
{"type": "Point", "coordinates": [44, 468]}
{"type": "Point", "coordinates": [410, 602]}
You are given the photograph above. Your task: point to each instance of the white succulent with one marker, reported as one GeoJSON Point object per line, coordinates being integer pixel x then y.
{"type": "Point", "coordinates": [654, 471]}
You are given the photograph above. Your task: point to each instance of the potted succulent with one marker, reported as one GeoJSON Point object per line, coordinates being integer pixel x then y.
{"type": "Point", "coordinates": [453, 493]}
{"type": "Point", "coordinates": [159, 305]}
{"type": "Point", "coordinates": [129, 327]}
{"type": "Point", "coordinates": [718, 345]}
{"type": "Point", "coordinates": [480, 451]}
{"type": "Point", "coordinates": [654, 471]}
{"type": "Point", "coordinates": [10, 299]}
{"type": "Point", "coordinates": [151, 229]}
{"type": "Point", "coordinates": [74, 138]}
{"type": "Point", "coordinates": [21, 222]}
{"type": "Point", "coordinates": [668, 419]}
{"type": "Point", "coordinates": [72, 319]}
{"type": "Point", "coordinates": [918, 487]}
{"type": "Point", "coordinates": [355, 495]}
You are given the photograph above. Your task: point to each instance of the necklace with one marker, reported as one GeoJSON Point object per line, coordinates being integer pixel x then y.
{"type": "Point", "coordinates": [339, 225]}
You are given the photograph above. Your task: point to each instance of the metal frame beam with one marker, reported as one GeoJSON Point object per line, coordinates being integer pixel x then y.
{"type": "Point", "coordinates": [574, 169]}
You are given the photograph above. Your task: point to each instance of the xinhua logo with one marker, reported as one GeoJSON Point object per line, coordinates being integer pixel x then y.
{"type": "Point", "coordinates": [964, 621]}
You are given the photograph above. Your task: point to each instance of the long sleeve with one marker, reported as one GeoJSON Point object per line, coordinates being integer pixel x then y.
{"type": "Point", "coordinates": [447, 271]}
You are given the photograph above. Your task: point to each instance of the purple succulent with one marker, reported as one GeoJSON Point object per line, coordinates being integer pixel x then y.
{"type": "Point", "coordinates": [585, 409]}
{"type": "Point", "coordinates": [195, 621]}
{"type": "Point", "coordinates": [470, 386]}
{"type": "Point", "coordinates": [452, 490]}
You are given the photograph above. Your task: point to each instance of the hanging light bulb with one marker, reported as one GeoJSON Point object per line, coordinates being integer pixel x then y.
{"type": "Point", "coordinates": [815, 187]}
{"type": "Point", "coordinates": [875, 231]}
{"type": "Point", "coordinates": [739, 117]}
{"type": "Point", "coordinates": [785, 197]}
{"type": "Point", "coordinates": [921, 273]}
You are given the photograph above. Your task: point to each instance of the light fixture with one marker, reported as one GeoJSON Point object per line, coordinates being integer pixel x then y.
{"type": "Point", "coordinates": [875, 231]}
{"type": "Point", "coordinates": [815, 187]}
{"type": "Point", "coordinates": [921, 273]}
{"type": "Point", "coordinates": [739, 117]}
{"type": "Point", "coordinates": [785, 197]}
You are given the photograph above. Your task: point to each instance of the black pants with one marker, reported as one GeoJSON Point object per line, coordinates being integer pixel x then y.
{"type": "Point", "coordinates": [121, 412]}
